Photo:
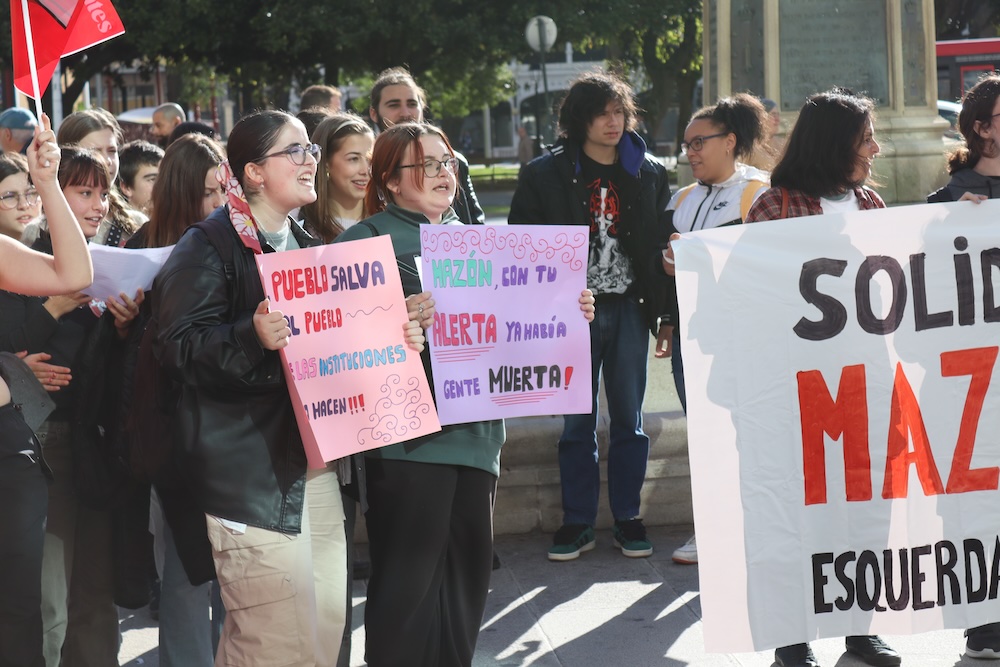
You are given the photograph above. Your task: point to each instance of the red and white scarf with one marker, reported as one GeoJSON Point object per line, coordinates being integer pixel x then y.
{"type": "Point", "coordinates": [239, 209]}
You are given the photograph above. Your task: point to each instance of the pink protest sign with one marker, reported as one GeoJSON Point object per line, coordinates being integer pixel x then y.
{"type": "Point", "coordinates": [508, 339]}
{"type": "Point", "coordinates": [355, 383]}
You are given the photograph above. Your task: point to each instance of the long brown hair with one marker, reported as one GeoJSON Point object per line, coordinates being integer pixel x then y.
{"type": "Point", "coordinates": [83, 166]}
{"type": "Point", "coordinates": [821, 154]}
{"type": "Point", "coordinates": [388, 156]}
{"type": "Point", "coordinates": [180, 188]}
{"type": "Point", "coordinates": [977, 107]}
{"type": "Point", "coordinates": [78, 125]}
{"type": "Point", "coordinates": [330, 134]}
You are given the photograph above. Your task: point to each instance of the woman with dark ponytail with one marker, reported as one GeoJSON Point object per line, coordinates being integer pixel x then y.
{"type": "Point", "coordinates": [975, 165]}
{"type": "Point", "coordinates": [717, 141]}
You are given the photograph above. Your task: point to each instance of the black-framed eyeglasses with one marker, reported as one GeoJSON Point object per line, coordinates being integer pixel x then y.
{"type": "Point", "coordinates": [432, 167]}
{"type": "Point", "coordinates": [297, 153]}
{"type": "Point", "coordinates": [698, 143]}
{"type": "Point", "coordinates": [8, 200]}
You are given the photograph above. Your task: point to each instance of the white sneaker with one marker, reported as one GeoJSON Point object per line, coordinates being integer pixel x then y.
{"type": "Point", "coordinates": [687, 554]}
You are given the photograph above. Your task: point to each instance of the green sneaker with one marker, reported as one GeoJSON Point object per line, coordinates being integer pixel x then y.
{"type": "Point", "coordinates": [570, 540]}
{"type": "Point", "coordinates": [630, 537]}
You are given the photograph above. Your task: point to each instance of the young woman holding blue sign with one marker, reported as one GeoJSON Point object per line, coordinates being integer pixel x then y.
{"type": "Point", "coordinates": [824, 169]}
{"type": "Point", "coordinates": [975, 176]}
{"type": "Point", "coordinates": [430, 515]}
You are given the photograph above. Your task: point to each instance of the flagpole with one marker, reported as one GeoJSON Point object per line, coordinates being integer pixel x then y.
{"type": "Point", "coordinates": [31, 59]}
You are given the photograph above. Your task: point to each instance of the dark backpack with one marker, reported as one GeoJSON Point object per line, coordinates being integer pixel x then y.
{"type": "Point", "coordinates": [155, 394]}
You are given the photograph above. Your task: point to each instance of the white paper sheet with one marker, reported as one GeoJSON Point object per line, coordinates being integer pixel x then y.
{"type": "Point", "coordinates": [118, 270]}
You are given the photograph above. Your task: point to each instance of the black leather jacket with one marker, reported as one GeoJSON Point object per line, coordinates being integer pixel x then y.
{"type": "Point", "coordinates": [239, 448]}
{"type": "Point", "coordinates": [550, 191]}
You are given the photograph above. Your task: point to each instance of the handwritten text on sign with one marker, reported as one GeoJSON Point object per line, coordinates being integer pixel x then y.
{"type": "Point", "coordinates": [841, 381]}
{"type": "Point", "coordinates": [354, 382]}
{"type": "Point", "coordinates": [508, 338]}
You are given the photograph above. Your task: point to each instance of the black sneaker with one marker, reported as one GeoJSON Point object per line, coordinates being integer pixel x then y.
{"type": "Point", "coordinates": [983, 642]}
{"type": "Point", "coordinates": [872, 650]}
{"type": "Point", "coordinates": [796, 655]}
{"type": "Point", "coordinates": [630, 537]}
{"type": "Point", "coordinates": [570, 541]}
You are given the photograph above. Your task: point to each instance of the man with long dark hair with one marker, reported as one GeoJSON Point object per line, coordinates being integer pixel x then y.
{"type": "Point", "coordinates": [599, 175]}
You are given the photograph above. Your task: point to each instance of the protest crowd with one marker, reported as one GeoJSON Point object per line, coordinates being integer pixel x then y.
{"type": "Point", "coordinates": [152, 445]}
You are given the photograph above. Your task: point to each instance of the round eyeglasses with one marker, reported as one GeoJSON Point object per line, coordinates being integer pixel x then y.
{"type": "Point", "coordinates": [432, 167]}
{"type": "Point", "coordinates": [297, 153]}
{"type": "Point", "coordinates": [697, 143]}
{"type": "Point", "coordinates": [9, 200]}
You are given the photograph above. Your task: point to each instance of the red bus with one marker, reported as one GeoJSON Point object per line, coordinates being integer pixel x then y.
{"type": "Point", "coordinates": [961, 62]}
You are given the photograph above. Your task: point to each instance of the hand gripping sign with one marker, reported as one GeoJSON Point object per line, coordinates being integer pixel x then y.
{"type": "Point", "coordinates": [355, 383]}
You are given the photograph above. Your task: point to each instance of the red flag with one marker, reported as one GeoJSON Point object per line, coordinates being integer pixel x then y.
{"type": "Point", "coordinates": [59, 28]}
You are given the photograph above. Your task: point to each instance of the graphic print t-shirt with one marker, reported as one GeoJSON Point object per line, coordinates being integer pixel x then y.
{"type": "Point", "coordinates": [609, 270]}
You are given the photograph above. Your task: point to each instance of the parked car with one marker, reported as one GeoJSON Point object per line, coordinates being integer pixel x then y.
{"type": "Point", "coordinates": [949, 111]}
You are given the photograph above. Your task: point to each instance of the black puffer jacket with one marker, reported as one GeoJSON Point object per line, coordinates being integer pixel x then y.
{"type": "Point", "coordinates": [239, 446]}
{"type": "Point", "coordinates": [550, 191]}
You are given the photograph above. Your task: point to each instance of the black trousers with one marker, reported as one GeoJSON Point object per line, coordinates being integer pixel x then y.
{"type": "Point", "coordinates": [24, 502]}
{"type": "Point", "coordinates": [430, 531]}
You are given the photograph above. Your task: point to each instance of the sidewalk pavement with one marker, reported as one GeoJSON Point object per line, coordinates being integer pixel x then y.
{"type": "Point", "coordinates": [601, 610]}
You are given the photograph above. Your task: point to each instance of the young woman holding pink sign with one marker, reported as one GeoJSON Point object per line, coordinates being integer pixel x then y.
{"type": "Point", "coordinates": [276, 529]}
{"type": "Point", "coordinates": [430, 500]}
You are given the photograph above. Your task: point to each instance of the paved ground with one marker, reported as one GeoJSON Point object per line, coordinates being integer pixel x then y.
{"type": "Point", "coordinates": [602, 610]}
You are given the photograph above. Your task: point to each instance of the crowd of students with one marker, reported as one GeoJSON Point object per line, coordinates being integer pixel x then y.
{"type": "Point", "coordinates": [250, 546]}
{"type": "Point", "coordinates": [253, 548]}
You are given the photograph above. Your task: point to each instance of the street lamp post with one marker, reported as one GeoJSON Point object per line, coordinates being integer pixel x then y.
{"type": "Point", "coordinates": [541, 35]}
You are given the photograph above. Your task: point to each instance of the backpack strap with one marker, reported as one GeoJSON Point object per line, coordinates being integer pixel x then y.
{"type": "Point", "coordinates": [223, 238]}
{"type": "Point", "coordinates": [683, 193]}
{"type": "Point", "coordinates": [750, 191]}
{"type": "Point", "coordinates": [784, 202]}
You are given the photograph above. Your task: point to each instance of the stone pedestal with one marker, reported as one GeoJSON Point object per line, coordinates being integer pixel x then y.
{"type": "Point", "coordinates": [788, 49]}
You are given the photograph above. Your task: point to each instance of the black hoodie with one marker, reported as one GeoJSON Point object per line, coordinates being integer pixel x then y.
{"type": "Point", "coordinates": [966, 180]}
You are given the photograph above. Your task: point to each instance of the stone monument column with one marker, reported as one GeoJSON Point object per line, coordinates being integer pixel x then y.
{"type": "Point", "coordinates": [788, 49]}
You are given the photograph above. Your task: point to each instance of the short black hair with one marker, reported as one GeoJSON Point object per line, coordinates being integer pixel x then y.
{"type": "Point", "coordinates": [137, 154]}
{"type": "Point", "coordinates": [821, 154]}
{"type": "Point", "coordinates": [588, 96]}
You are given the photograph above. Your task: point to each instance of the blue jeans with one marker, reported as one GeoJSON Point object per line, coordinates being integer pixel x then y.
{"type": "Point", "coordinates": [677, 366]}
{"type": "Point", "coordinates": [619, 344]}
{"type": "Point", "coordinates": [187, 637]}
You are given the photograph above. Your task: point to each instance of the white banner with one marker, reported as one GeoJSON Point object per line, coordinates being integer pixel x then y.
{"type": "Point", "coordinates": [843, 426]}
